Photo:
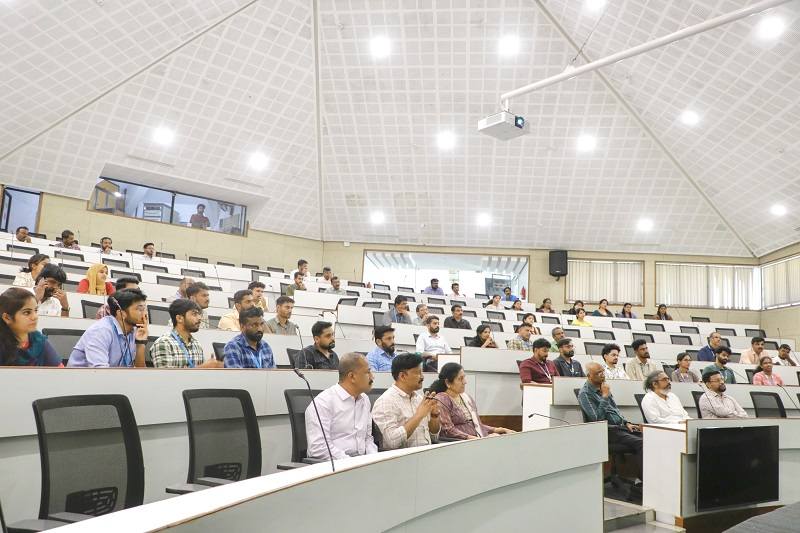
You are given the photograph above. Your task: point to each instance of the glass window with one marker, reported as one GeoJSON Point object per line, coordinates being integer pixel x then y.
{"type": "Point", "coordinates": [20, 208]}
{"type": "Point", "coordinates": [203, 213]}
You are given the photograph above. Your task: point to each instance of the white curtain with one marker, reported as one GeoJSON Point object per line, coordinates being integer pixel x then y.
{"type": "Point", "coordinates": [781, 283]}
{"type": "Point", "coordinates": [716, 286]}
{"type": "Point", "coordinates": [681, 285]}
{"type": "Point", "coordinates": [592, 281]}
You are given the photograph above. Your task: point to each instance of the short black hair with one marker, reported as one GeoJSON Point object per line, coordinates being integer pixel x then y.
{"type": "Point", "coordinates": [756, 339]}
{"type": "Point", "coordinates": [637, 343]}
{"type": "Point", "coordinates": [608, 348]}
{"type": "Point", "coordinates": [578, 302]}
{"type": "Point", "coordinates": [253, 312]}
{"type": "Point", "coordinates": [563, 342]}
{"type": "Point", "coordinates": [319, 327]}
{"type": "Point", "coordinates": [125, 298]}
{"type": "Point", "coordinates": [722, 348]}
{"type": "Point", "coordinates": [196, 287]}
{"type": "Point", "coordinates": [380, 331]}
{"type": "Point", "coordinates": [66, 233]}
{"type": "Point", "coordinates": [180, 307]}
{"type": "Point", "coordinates": [256, 285]}
{"type": "Point", "coordinates": [121, 283]}
{"type": "Point", "coordinates": [454, 284]}
{"type": "Point", "coordinates": [145, 245]}
{"type": "Point", "coordinates": [399, 299]}
{"type": "Point", "coordinates": [420, 306]}
{"type": "Point", "coordinates": [785, 347]}
{"type": "Point", "coordinates": [710, 374]}
{"type": "Point", "coordinates": [22, 227]}
{"type": "Point", "coordinates": [52, 271]}
{"type": "Point", "coordinates": [284, 300]}
{"type": "Point", "coordinates": [404, 363]}
{"type": "Point", "coordinates": [454, 307]}
{"type": "Point", "coordinates": [297, 274]}
{"type": "Point", "coordinates": [429, 319]}
{"type": "Point", "coordinates": [301, 262]}
{"type": "Point", "coordinates": [334, 278]}
{"type": "Point", "coordinates": [238, 296]}
{"type": "Point", "coordinates": [506, 289]}
{"type": "Point", "coordinates": [104, 238]}
{"type": "Point", "coordinates": [434, 280]}
{"type": "Point", "coordinates": [541, 343]}
{"type": "Point", "coordinates": [682, 355]}
{"type": "Point", "coordinates": [326, 269]}
{"type": "Point", "coordinates": [201, 205]}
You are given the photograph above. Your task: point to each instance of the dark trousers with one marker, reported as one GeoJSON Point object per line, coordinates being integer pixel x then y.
{"type": "Point", "coordinates": [622, 440]}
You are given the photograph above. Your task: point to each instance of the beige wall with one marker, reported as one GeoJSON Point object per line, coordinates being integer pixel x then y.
{"type": "Point", "coordinates": [259, 247]}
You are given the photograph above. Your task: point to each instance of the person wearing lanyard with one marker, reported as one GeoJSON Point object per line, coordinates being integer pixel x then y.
{"type": "Point", "coordinates": [537, 368]}
{"type": "Point", "coordinates": [564, 363]}
{"type": "Point", "coordinates": [117, 340]}
{"type": "Point", "coordinates": [178, 348]}
{"type": "Point", "coordinates": [247, 350]}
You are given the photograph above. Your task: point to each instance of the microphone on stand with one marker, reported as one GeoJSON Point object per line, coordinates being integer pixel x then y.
{"type": "Point", "coordinates": [550, 417]}
{"type": "Point", "coordinates": [302, 346]}
{"type": "Point", "coordinates": [319, 419]}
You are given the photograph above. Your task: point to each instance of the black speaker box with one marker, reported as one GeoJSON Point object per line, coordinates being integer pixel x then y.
{"type": "Point", "coordinates": [558, 263]}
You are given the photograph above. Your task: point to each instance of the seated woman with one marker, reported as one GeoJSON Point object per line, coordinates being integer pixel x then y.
{"type": "Point", "coordinates": [484, 338]}
{"type": "Point", "coordinates": [627, 312]}
{"type": "Point", "coordinates": [603, 310]}
{"type": "Point", "coordinates": [682, 373]}
{"type": "Point", "coordinates": [517, 305]}
{"type": "Point", "coordinates": [661, 313]}
{"type": "Point", "coordinates": [21, 344]}
{"type": "Point", "coordinates": [529, 319]}
{"type": "Point", "coordinates": [27, 275]}
{"type": "Point", "coordinates": [764, 375]}
{"type": "Point", "coordinates": [580, 319]}
{"type": "Point", "coordinates": [95, 281]}
{"type": "Point", "coordinates": [458, 412]}
{"type": "Point", "coordinates": [494, 303]}
{"type": "Point", "coordinates": [547, 306]}
{"type": "Point", "coordinates": [577, 305]}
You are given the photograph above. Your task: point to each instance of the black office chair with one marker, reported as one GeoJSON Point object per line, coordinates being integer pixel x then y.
{"type": "Point", "coordinates": [198, 259]}
{"type": "Point", "coordinates": [117, 274]}
{"type": "Point", "coordinates": [380, 286]}
{"type": "Point", "coordinates": [768, 405]}
{"type": "Point", "coordinates": [470, 313]}
{"type": "Point", "coordinates": [74, 256]}
{"type": "Point", "coordinates": [2, 521]}
{"type": "Point", "coordinates": [224, 439]}
{"type": "Point", "coordinates": [193, 273]}
{"type": "Point", "coordinates": [284, 288]}
{"type": "Point", "coordinates": [696, 395]}
{"type": "Point", "coordinates": [754, 332]}
{"type": "Point", "coordinates": [551, 320]}
{"type": "Point", "coordinates": [691, 330]}
{"type": "Point", "coordinates": [70, 286]}
{"type": "Point", "coordinates": [433, 300]}
{"type": "Point", "coordinates": [297, 400]}
{"type": "Point", "coordinates": [433, 310]}
{"type": "Point", "coordinates": [220, 263]}
{"type": "Point", "coordinates": [519, 363]}
{"type": "Point", "coordinates": [159, 316]}
{"type": "Point", "coordinates": [639, 398]}
{"type": "Point", "coordinates": [405, 289]}
{"type": "Point", "coordinates": [292, 354]}
{"type": "Point", "coordinates": [593, 348]}
{"type": "Point", "coordinates": [604, 335]}
{"type": "Point", "coordinates": [356, 284]}
{"type": "Point", "coordinates": [165, 255]}
{"type": "Point", "coordinates": [213, 321]}
{"type": "Point", "coordinates": [219, 350]}
{"type": "Point", "coordinates": [647, 337]}
{"type": "Point", "coordinates": [620, 324]}
{"type": "Point", "coordinates": [91, 458]}
{"type": "Point", "coordinates": [700, 319]}
{"type": "Point", "coordinates": [155, 268]}
{"type": "Point", "coordinates": [25, 250]}
{"type": "Point", "coordinates": [494, 326]}
{"type": "Point", "coordinates": [668, 369]}
{"type": "Point", "coordinates": [166, 280]}
{"type": "Point", "coordinates": [750, 373]}
{"type": "Point", "coordinates": [63, 340]}
{"type": "Point", "coordinates": [572, 333]}
{"type": "Point", "coordinates": [683, 340]}
{"type": "Point", "coordinates": [90, 308]}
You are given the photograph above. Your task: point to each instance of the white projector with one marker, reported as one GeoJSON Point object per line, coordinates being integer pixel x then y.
{"type": "Point", "coordinates": [503, 126]}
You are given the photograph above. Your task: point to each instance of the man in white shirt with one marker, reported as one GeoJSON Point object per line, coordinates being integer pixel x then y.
{"type": "Point", "coordinates": [715, 403]}
{"type": "Point", "coordinates": [610, 355]}
{"type": "Point", "coordinates": [405, 417]}
{"type": "Point", "coordinates": [49, 293]}
{"type": "Point", "coordinates": [660, 406]}
{"type": "Point", "coordinates": [431, 344]}
{"type": "Point", "coordinates": [785, 356]}
{"type": "Point", "coordinates": [345, 413]}
{"type": "Point", "coordinates": [456, 291]}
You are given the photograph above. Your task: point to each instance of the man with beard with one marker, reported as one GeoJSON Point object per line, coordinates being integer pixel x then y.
{"type": "Point", "coordinates": [715, 403]}
{"type": "Point", "coordinates": [564, 363]}
{"type": "Point", "coordinates": [345, 413]}
{"type": "Point", "coordinates": [48, 292]}
{"type": "Point", "coordinates": [405, 417]}
{"type": "Point", "coordinates": [537, 368]}
{"type": "Point", "coordinates": [319, 355]}
{"type": "Point", "coordinates": [659, 405]}
{"type": "Point", "coordinates": [178, 349]}
{"type": "Point", "coordinates": [722, 354]}
{"type": "Point", "coordinates": [641, 366]}
{"type": "Point", "coordinates": [380, 357]}
{"type": "Point", "coordinates": [431, 344]}
{"type": "Point", "coordinates": [247, 350]}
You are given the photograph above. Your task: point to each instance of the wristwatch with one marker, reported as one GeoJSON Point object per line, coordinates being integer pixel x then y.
{"type": "Point", "coordinates": [140, 342]}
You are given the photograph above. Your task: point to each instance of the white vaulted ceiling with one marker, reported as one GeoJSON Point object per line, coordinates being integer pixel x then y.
{"type": "Point", "coordinates": [84, 83]}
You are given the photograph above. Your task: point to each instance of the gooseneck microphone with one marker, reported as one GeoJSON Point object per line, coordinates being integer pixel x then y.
{"type": "Point", "coordinates": [319, 419]}
{"type": "Point", "coordinates": [550, 417]}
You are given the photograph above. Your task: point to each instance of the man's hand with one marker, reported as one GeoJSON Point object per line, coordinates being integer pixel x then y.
{"type": "Point", "coordinates": [38, 291]}
{"type": "Point", "coordinates": [605, 390]}
{"type": "Point", "coordinates": [426, 406]}
{"type": "Point", "coordinates": [141, 330]}
{"type": "Point", "coordinates": [212, 363]}
{"type": "Point", "coordinates": [61, 296]}
{"type": "Point", "coordinates": [633, 427]}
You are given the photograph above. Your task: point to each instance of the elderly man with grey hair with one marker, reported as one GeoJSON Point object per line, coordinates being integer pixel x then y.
{"type": "Point", "coordinates": [344, 409]}
{"type": "Point", "coordinates": [659, 405]}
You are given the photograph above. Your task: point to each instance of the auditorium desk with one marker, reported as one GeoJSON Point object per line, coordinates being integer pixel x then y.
{"type": "Point", "coordinates": [482, 485]}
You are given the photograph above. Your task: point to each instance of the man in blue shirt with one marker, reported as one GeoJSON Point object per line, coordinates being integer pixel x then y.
{"type": "Point", "coordinates": [434, 288]}
{"type": "Point", "coordinates": [117, 340]}
{"type": "Point", "coordinates": [381, 356]}
{"type": "Point", "coordinates": [507, 296]}
{"type": "Point", "coordinates": [247, 350]}
{"type": "Point", "coordinates": [706, 353]}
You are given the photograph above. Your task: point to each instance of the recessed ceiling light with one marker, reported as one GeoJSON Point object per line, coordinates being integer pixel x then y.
{"type": "Point", "coordinates": [163, 136]}
{"type": "Point", "coordinates": [690, 118]}
{"type": "Point", "coordinates": [380, 46]}
{"type": "Point", "coordinates": [446, 140]}
{"type": "Point", "coordinates": [770, 27]}
{"type": "Point", "coordinates": [594, 5]}
{"type": "Point", "coordinates": [258, 161]}
{"type": "Point", "coordinates": [118, 194]}
{"type": "Point", "coordinates": [586, 143]}
{"type": "Point", "coordinates": [778, 210]}
{"type": "Point", "coordinates": [377, 217]}
{"type": "Point", "coordinates": [644, 224]}
{"type": "Point", "coordinates": [484, 219]}
{"type": "Point", "coordinates": [508, 45]}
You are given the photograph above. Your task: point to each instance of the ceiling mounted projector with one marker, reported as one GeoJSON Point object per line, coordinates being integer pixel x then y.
{"type": "Point", "coordinates": [503, 126]}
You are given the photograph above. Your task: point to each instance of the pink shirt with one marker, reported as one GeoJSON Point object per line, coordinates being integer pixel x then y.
{"type": "Point", "coordinates": [762, 379]}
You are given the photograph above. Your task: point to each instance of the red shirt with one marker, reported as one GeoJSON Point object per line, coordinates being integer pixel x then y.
{"type": "Point", "coordinates": [531, 370]}
{"type": "Point", "coordinates": [83, 287]}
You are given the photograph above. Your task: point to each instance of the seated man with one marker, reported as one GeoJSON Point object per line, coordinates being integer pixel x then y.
{"type": "Point", "coordinates": [302, 268]}
{"type": "Point", "coordinates": [405, 417]}
{"type": "Point", "coordinates": [558, 334]}
{"type": "Point", "coordinates": [258, 295]}
{"type": "Point", "coordinates": [336, 287]}
{"type": "Point", "coordinates": [281, 325]}
{"type": "Point", "coordinates": [434, 288]}
{"type": "Point", "coordinates": [430, 344]}
{"type": "Point", "coordinates": [345, 413]}
{"type": "Point", "coordinates": [242, 300]}
{"type": "Point", "coordinates": [610, 354]}
{"type": "Point", "coordinates": [22, 234]}
{"type": "Point", "coordinates": [722, 354]}
{"type": "Point", "coordinates": [715, 403]}
{"type": "Point", "coordinates": [381, 356]}
{"type": "Point", "coordinates": [48, 292]}
{"type": "Point", "coordinates": [564, 363]}
{"type": "Point", "coordinates": [537, 368]}
{"type": "Point", "coordinates": [149, 251]}
{"type": "Point", "coordinates": [598, 404]}
{"type": "Point", "coordinates": [507, 296]}
{"type": "Point", "coordinates": [248, 350]}
{"type": "Point", "coordinates": [753, 355]}
{"type": "Point", "coordinates": [121, 283]}
{"type": "Point", "coordinates": [641, 366]}
{"type": "Point", "coordinates": [319, 355]}
{"type": "Point", "coordinates": [659, 405]}
{"type": "Point", "coordinates": [117, 340]}
{"type": "Point", "coordinates": [178, 349]}
{"type": "Point", "coordinates": [706, 353]}
{"type": "Point", "coordinates": [181, 292]}
{"type": "Point", "coordinates": [422, 312]}
{"type": "Point", "coordinates": [456, 291]}
{"type": "Point", "coordinates": [106, 246]}
{"type": "Point", "coordinates": [327, 274]}
{"type": "Point", "coordinates": [785, 356]}
{"type": "Point", "coordinates": [298, 285]}
{"type": "Point", "coordinates": [198, 293]}
{"type": "Point", "coordinates": [457, 320]}
{"type": "Point", "coordinates": [523, 339]}
{"type": "Point", "coordinates": [399, 313]}
{"type": "Point", "coordinates": [67, 241]}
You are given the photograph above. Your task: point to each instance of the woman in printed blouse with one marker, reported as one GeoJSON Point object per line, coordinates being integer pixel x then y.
{"type": "Point", "coordinates": [682, 372]}
{"type": "Point", "coordinates": [21, 344]}
{"type": "Point", "coordinates": [764, 375]}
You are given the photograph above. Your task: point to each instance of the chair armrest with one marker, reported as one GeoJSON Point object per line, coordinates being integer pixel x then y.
{"type": "Point", "coordinates": [290, 465]}
{"type": "Point", "coordinates": [69, 517]}
{"type": "Point", "coordinates": [213, 481]}
{"type": "Point", "coordinates": [314, 460]}
{"type": "Point", "coordinates": [185, 488]}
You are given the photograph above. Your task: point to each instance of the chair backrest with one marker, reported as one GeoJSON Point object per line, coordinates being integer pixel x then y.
{"type": "Point", "coordinates": [468, 340]}
{"type": "Point", "coordinates": [69, 255]}
{"type": "Point", "coordinates": [434, 300]}
{"type": "Point", "coordinates": [374, 305]}
{"type": "Point", "coordinates": [691, 330]}
{"type": "Point", "coordinates": [297, 400]}
{"type": "Point", "coordinates": [90, 308]}
{"type": "Point", "coordinates": [620, 324]}
{"type": "Point", "coordinates": [90, 453]}
{"type": "Point", "coordinates": [749, 332]}
{"type": "Point", "coordinates": [700, 319]}
{"type": "Point", "coordinates": [167, 280]}
{"type": "Point", "coordinates": [693, 354]}
{"type": "Point", "coordinates": [219, 350]}
{"type": "Point", "coordinates": [381, 295]}
{"type": "Point", "coordinates": [496, 315]}
{"type": "Point", "coordinates": [159, 316]}
{"type": "Point", "coordinates": [377, 318]}
{"type": "Point", "coordinates": [352, 302]}
{"type": "Point", "coordinates": [668, 369]}
{"type": "Point", "coordinates": [725, 342]}
{"type": "Point", "coordinates": [224, 440]}
{"type": "Point", "coordinates": [771, 345]}
{"type": "Point", "coordinates": [750, 373]}
{"type": "Point", "coordinates": [382, 287]}
{"type": "Point", "coordinates": [654, 327]}
{"type": "Point", "coordinates": [115, 262]}
{"type": "Point", "coordinates": [572, 332]}
{"type": "Point", "coordinates": [583, 413]}
{"type": "Point", "coordinates": [416, 336]}
{"type": "Point", "coordinates": [433, 310]}
{"type": "Point", "coordinates": [405, 289]}
{"type": "Point", "coordinates": [221, 263]}
{"type": "Point", "coordinates": [646, 336]}
{"type": "Point", "coordinates": [604, 335]}
{"type": "Point", "coordinates": [696, 395]}
{"type": "Point", "coordinates": [639, 398]}
{"type": "Point", "coordinates": [768, 405]}
{"type": "Point", "coordinates": [494, 326]}
{"type": "Point", "coordinates": [291, 353]}
{"type": "Point", "coordinates": [593, 348]}
{"type": "Point", "coordinates": [26, 250]}
{"type": "Point", "coordinates": [155, 268]}
{"type": "Point", "coordinates": [74, 269]}
{"type": "Point", "coordinates": [63, 340]}
{"type": "Point", "coordinates": [116, 274]}
{"type": "Point", "coordinates": [550, 320]}
{"type": "Point", "coordinates": [198, 259]}
{"type": "Point", "coordinates": [165, 255]}
{"type": "Point", "coordinates": [373, 395]}
{"type": "Point", "coordinates": [728, 332]}
{"type": "Point", "coordinates": [193, 273]}
{"type": "Point", "coordinates": [470, 313]}
{"type": "Point", "coordinates": [684, 340]}
{"type": "Point", "coordinates": [356, 284]}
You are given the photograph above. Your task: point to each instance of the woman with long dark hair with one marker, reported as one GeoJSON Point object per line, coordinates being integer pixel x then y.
{"type": "Point", "coordinates": [457, 410]}
{"type": "Point", "coordinates": [603, 310]}
{"type": "Point", "coordinates": [627, 311]}
{"type": "Point", "coordinates": [27, 275]}
{"type": "Point", "coordinates": [661, 313]}
{"type": "Point", "coordinates": [21, 344]}
{"type": "Point", "coordinates": [546, 307]}
{"type": "Point", "coordinates": [483, 339]}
